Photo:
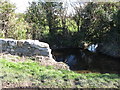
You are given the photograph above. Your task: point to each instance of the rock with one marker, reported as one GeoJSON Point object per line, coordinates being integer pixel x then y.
{"type": "Point", "coordinates": [25, 47]}
{"type": "Point", "coordinates": [61, 65]}
{"type": "Point", "coordinates": [45, 61]}
{"type": "Point", "coordinates": [34, 48]}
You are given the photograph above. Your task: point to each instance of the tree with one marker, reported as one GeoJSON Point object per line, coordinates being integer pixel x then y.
{"type": "Point", "coordinates": [35, 16]}
{"type": "Point", "coordinates": [6, 14]}
{"type": "Point", "coordinates": [96, 19]}
{"type": "Point", "coordinates": [91, 23]}
{"type": "Point", "coordinates": [41, 16]}
{"type": "Point", "coordinates": [12, 25]}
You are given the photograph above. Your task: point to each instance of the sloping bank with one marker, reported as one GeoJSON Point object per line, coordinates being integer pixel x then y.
{"type": "Point", "coordinates": [44, 72]}
{"type": "Point", "coordinates": [111, 48]}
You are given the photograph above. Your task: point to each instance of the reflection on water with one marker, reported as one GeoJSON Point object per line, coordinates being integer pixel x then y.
{"type": "Point", "coordinates": [71, 60]}
{"type": "Point", "coordinates": [93, 47]}
{"type": "Point", "coordinates": [84, 60]}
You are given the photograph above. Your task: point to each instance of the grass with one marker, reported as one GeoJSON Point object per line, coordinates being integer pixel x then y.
{"type": "Point", "coordinates": [42, 76]}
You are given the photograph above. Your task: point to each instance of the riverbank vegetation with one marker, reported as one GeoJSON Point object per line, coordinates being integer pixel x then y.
{"type": "Point", "coordinates": [28, 73]}
{"type": "Point", "coordinates": [54, 23]}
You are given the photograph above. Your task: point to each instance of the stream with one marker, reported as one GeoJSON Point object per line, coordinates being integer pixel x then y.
{"type": "Point", "coordinates": [86, 61]}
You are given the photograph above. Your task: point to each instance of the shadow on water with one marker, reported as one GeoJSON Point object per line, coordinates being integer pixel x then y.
{"type": "Point", "coordinates": [84, 61]}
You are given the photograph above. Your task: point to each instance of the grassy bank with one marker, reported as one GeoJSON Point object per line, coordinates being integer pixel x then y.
{"type": "Point", "coordinates": [31, 73]}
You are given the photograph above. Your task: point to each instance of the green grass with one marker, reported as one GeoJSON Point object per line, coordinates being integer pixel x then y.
{"type": "Point", "coordinates": [43, 76]}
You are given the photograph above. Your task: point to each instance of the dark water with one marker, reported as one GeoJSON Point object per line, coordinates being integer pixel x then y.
{"type": "Point", "coordinates": [84, 61]}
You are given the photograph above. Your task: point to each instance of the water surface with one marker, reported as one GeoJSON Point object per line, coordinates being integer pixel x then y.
{"type": "Point", "coordinates": [84, 61]}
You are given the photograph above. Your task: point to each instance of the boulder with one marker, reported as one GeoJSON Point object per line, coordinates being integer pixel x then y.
{"type": "Point", "coordinates": [25, 47]}
{"type": "Point", "coordinates": [45, 61]}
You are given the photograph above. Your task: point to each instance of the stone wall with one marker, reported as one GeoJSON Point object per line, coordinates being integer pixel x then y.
{"type": "Point", "coordinates": [25, 47]}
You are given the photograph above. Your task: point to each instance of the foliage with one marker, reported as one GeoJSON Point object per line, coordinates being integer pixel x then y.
{"type": "Point", "coordinates": [49, 22]}
{"type": "Point", "coordinates": [44, 17]}
{"type": "Point", "coordinates": [12, 25]}
{"type": "Point", "coordinates": [91, 23]}
{"type": "Point", "coordinates": [6, 14]}
{"type": "Point", "coordinates": [96, 20]}
{"type": "Point", "coordinates": [20, 28]}
{"type": "Point", "coordinates": [35, 16]}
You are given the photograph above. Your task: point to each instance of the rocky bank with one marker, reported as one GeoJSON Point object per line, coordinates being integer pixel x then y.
{"type": "Point", "coordinates": [32, 49]}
